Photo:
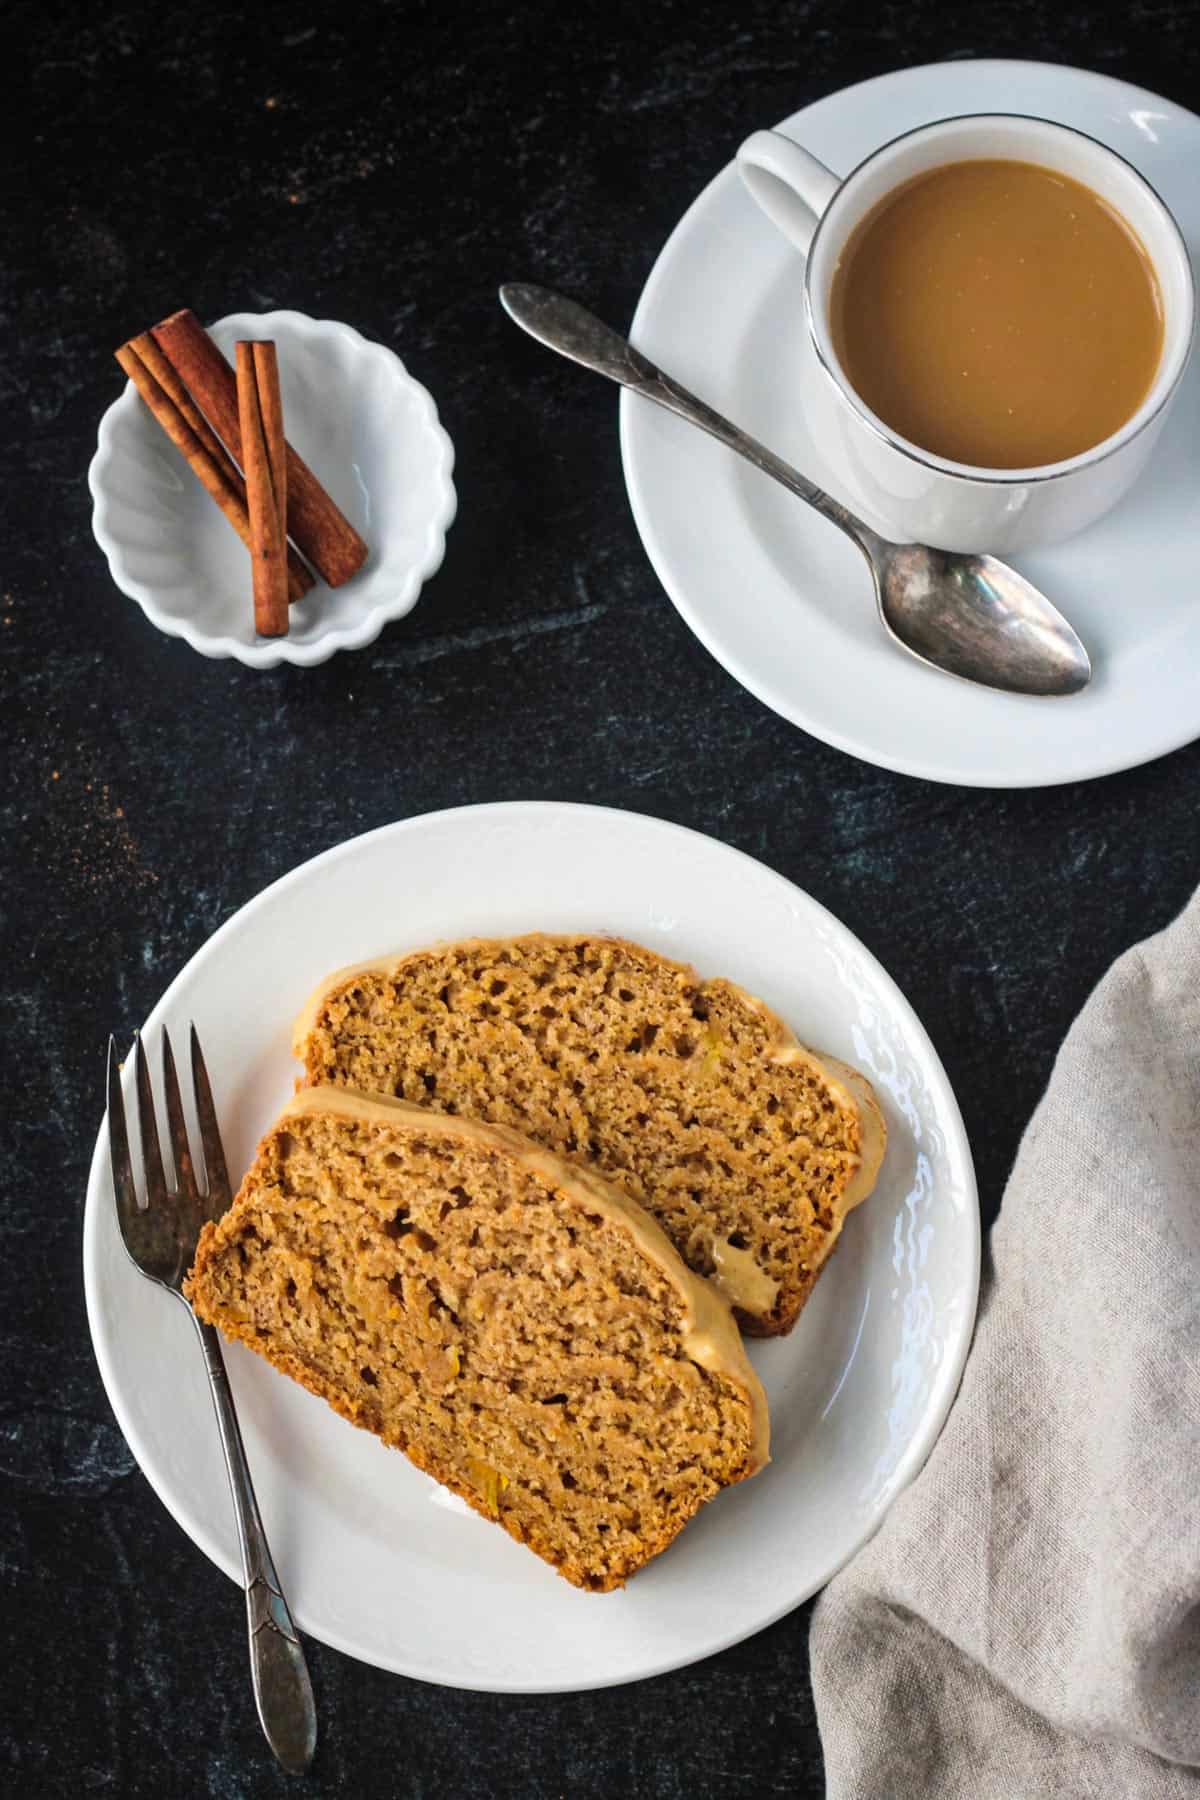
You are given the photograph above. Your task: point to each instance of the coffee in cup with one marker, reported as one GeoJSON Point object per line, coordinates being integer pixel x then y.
{"type": "Point", "coordinates": [928, 327]}
{"type": "Point", "coordinates": [998, 313]}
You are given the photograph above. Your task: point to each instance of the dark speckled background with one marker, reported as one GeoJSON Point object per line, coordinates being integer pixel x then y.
{"type": "Point", "coordinates": [389, 165]}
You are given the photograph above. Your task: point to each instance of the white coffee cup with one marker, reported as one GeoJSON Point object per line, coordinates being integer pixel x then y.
{"type": "Point", "coordinates": [907, 493]}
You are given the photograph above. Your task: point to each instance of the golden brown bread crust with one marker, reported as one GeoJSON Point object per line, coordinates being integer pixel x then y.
{"type": "Point", "coordinates": [259, 1242]}
{"type": "Point", "coordinates": [748, 1147]}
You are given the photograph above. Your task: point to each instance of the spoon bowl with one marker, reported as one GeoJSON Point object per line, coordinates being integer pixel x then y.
{"type": "Point", "coordinates": [967, 615]}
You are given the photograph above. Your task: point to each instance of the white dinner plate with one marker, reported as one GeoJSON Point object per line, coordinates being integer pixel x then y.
{"type": "Point", "coordinates": [378, 1560]}
{"type": "Point", "coordinates": [782, 599]}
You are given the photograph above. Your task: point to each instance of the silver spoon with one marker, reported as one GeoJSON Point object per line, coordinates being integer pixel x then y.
{"type": "Point", "coordinates": [969, 615]}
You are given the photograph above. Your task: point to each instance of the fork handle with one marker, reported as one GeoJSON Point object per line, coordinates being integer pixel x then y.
{"type": "Point", "coordinates": [282, 1689]}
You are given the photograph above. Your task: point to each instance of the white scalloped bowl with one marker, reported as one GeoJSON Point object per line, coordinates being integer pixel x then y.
{"type": "Point", "coordinates": [363, 425]}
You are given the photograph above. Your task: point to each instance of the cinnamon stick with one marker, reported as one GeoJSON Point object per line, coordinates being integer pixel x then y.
{"type": "Point", "coordinates": [158, 385]}
{"type": "Point", "coordinates": [267, 534]}
{"type": "Point", "coordinates": [319, 529]}
{"type": "Point", "coordinates": [266, 372]}
{"type": "Point", "coordinates": [145, 348]}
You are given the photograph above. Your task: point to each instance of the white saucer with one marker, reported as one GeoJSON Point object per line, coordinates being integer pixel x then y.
{"type": "Point", "coordinates": [782, 600]}
{"type": "Point", "coordinates": [379, 1561]}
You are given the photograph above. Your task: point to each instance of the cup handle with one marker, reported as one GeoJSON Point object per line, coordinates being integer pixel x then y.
{"type": "Point", "coordinates": [790, 186]}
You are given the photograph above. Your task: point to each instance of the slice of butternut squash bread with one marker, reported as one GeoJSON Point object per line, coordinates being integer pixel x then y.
{"type": "Point", "coordinates": [522, 1330]}
{"type": "Point", "coordinates": [747, 1148]}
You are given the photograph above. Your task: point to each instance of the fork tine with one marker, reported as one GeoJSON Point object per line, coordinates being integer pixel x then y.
{"type": "Point", "coordinates": [210, 1135]}
{"type": "Point", "coordinates": [118, 1145]}
{"type": "Point", "coordinates": [152, 1164]}
{"type": "Point", "coordinates": [181, 1152]}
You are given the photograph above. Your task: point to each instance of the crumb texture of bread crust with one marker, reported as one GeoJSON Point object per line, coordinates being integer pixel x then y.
{"type": "Point", "coordinates": [748, 1148]}
{"type": "Point", "coordinates": [519, 1328]}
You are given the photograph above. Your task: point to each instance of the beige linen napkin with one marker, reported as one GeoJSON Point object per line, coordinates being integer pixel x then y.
{"type": "Point", "coordinates": [1027, 1620]}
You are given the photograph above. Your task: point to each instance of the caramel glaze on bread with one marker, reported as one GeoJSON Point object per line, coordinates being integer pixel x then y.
{"type": "Point", "coordinates": [516, 1325]}
{"type": "Point", "coordinates": [746, 1147]}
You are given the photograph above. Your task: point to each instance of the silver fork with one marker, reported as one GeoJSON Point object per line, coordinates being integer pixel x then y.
{"type": "Point", "coordinates": [160, 1240]}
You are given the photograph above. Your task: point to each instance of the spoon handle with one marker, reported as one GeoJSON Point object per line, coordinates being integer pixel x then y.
{"type": "Point", "coordinates": [573, 331]}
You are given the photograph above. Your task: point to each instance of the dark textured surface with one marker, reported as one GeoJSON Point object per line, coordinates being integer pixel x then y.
{"type": "Point", "coordinates": [389, 165]}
